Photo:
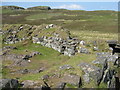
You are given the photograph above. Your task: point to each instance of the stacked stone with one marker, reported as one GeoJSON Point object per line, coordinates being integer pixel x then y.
{"type": "Point", "coordinates": [66, 47]}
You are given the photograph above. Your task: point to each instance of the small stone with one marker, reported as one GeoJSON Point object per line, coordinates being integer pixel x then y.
{"type": "Point", "coordinates": [45, 77]}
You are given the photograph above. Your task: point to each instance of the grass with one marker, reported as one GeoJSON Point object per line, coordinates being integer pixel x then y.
{"type": "Point", "coordinates": [102, 21]}
{"type": "Point", "coordinates": [5, 11]}
{"type": "Point", "coordinates": [42, 16]}
{"type": "Point", "coordinates": [94, 35]}
{"type": "Point", "coordinates": [50, 59]}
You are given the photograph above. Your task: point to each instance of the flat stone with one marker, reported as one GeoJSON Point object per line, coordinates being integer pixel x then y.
{"type": "Point", "coordinates": [72, 79]}
{"type": "Point", "coordinates": [65, 67]}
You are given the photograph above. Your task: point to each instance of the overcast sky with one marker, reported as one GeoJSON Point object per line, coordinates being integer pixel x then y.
{"type": "Point", "coordinates": [76, 5]}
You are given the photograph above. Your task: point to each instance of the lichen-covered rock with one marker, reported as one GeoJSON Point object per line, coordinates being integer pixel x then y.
{"type": "Point", "coordinates": [72, 79]}
{"type": "Point", "coordinates": [9, 83]}
{"type": "Point", "coordinates": [101, 57]}
{"type": "Point", "coordinates": [87, 68]}
{"type": "Point", "coordinates": [92, 71]}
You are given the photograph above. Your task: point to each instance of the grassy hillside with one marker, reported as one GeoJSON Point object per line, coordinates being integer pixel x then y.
{"type": "Point", "coordinates": [103, 21]}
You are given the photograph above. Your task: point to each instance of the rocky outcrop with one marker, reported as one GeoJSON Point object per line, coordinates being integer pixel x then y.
{"type": "Point", "coordinates": [107, 61]}
{"type": "Point", "coordinates": [101, 57]}
{"type": "Point", "coordinates": [91, 71]}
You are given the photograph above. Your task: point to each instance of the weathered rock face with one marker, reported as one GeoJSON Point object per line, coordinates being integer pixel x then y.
{"type": "Point", "coordinates": [91, 72]}
{"type": "Point", "coordinates": [107, 73]}
{"type": "Point", "coordinates": [39, 8]}
{"type": "Point", "coordinates": [9, 83]}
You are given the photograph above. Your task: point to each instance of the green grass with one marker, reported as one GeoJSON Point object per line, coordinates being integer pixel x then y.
{"type": "Point", "coordinates": [102, 21]}
{"type": "Point", "coordinates": [50, 59]}
{"type": "Point", "coordinates": [4, 11]}
{"type": "Point", "coordinates": [42, 16]}
{"type": "Point", "coordinates": [102, 85]}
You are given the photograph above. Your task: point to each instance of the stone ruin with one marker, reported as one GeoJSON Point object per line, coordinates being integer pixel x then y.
{"type": "Point", "coordinates": [67, 46]}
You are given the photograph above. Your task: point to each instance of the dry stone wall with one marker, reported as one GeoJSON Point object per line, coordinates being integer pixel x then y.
{"type": "Point", "coordinates": [67, 45]}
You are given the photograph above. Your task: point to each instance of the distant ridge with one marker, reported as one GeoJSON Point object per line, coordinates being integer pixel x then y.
{"type": "Point", "coordinates": [12, 7]}
{"type": "Point", "coordinates": [40, 8]}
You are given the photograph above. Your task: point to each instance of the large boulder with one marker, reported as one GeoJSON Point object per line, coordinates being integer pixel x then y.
{"type": "Point", "coordinates": [91, 71]}
{"type": "Point", "coordinates": [9, 83]}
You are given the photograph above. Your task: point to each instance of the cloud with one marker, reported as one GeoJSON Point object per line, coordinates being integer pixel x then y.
{"type": "Point", "coordinates": [72, 6]}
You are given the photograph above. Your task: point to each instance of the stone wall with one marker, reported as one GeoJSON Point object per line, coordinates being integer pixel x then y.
{"type": "Point", "coordinates": [67, 45]}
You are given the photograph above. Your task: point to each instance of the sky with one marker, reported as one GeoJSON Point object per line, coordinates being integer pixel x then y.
{"type": "Point", "coordinates": [60, 0]}
{"type": "Point", "coordinates": [88, 6]}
